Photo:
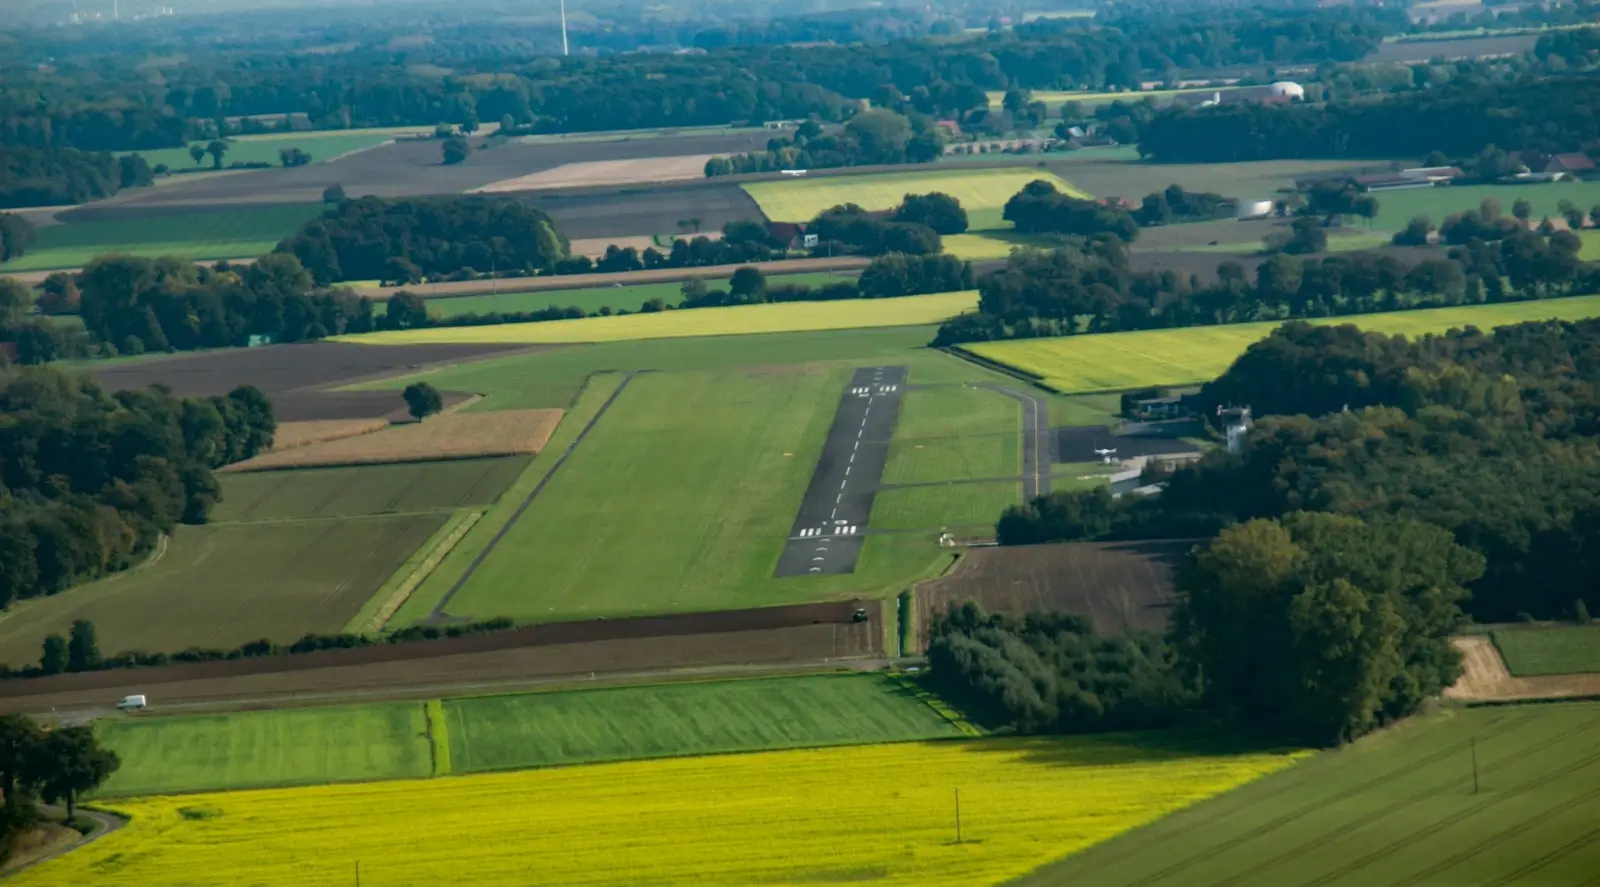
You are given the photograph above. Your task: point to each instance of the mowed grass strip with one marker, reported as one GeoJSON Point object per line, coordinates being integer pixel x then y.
{"type": "Point", "coordinates": [881, 814]}
{"type": "Point", "coordinates": [245, 233]}
{"type": "Point", "coordinates": [679, 499]}
{"type": "Point", "coordinates": [1531, 652]}
{"type": "Point", "coordinates": [458, 435]}
{"type": "Point", "coordinates": [1398, 807]}
{"type": "Point", "coordinates": [669, 720]}
{"type": "Point", "coordinates": [1114, 361]}
{"type": "Point", "coordinates": [979, 190]}
{"type": "Point", "coordinates": [943, 506]}
{"type": "Point", "coordinates": [741, 320]}
{"type": "Point", "coordinates": [367, 489]}
{"type": "Point", "coordinates": [163, 755]}
{"type": "Point", "coordinates": [955, 434]}
{"type": "Point", "coordinates": [224, 585]}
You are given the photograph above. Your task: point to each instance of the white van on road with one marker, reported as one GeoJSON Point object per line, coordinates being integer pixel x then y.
{"type": "Point", "coordinates": [133, 703]}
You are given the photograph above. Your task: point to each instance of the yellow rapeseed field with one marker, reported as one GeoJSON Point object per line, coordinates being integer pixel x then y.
{"type": "Point", "coordinates": [878, 814]}
{"type": "Point", "coordinates": [800, 200]}
{"type": "Point", "coordinates": [784, 317]}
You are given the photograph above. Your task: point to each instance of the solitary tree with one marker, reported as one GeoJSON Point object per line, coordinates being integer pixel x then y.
{"type": "Point", "coordinates": [198, 152]}
{"type": "Point", "coordinates": [333, 194]}
{"type": "Point", "coordinates": [1521, 209]}
{"type": "Point", "coordinates": [70, 762]}
{"type": "Point", "coordinates": [83, 651]}
{"type": "Point", "coordinates": [455, 150]}
{"type": "Point", "coordinates": [54, 658]}
{"type": "Point", "coordinates": [217, 149]}
{"type": "Point", "coordinates": [748, 284]}
{"type": "Point", "coordinates": [422, 399]}
{"type": "Point", "coordinates": [406, 311]}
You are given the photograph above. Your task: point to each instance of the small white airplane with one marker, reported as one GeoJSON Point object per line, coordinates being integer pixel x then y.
{"type": "Point", "coordinates": [1106, 454]}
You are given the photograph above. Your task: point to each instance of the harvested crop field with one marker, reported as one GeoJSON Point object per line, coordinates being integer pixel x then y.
{"type": "Point", "coordinates": [741, 320]}
{"type": "Point", "coordinates": [223, 585]}
{"type": "Point", "coordinates": [1122, 586]}
{"type": "Point", "coordinates": [876, 813]}
{"type": "Point", "coordinates": [448, 436]}
{"type": "Point", "coordinates": [298, 434]}
{"type": "Point", "coordinates": [368, 489]}
{"type": "Point", "coordinates": [1119, 361]}
{"type": "Point", "coordinates": [606, 172]}
{"type": "Point", "coordinates": [771, 636]}
{"type": "Point", "coordinates": [295, 377]}
{"type": "Point", "coordinates": [647, 209]}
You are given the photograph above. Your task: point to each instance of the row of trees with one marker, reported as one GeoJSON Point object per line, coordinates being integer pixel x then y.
{"type": "Point", "coordinates": [1092, 289]}
{"type": "Point", "coordinates": [1541, 113]}
{"type": "Point", "coordinates": [878, 136]}
{"type": "Point", "coordinates": [92, 479]}
{"type": "Point", "coordinates": [1489, 437]}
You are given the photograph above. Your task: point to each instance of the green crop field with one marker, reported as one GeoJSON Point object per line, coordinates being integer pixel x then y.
{"type": "Point", "coordinates": [1591, 245]}
{"type": "Point", "coordinates": [938, 506]}
{"type": "Point", "coordinates": [368, 489]}
{"type": "Point", "coordinates": [1395, 208]}
{"type": "Point", "coordinates": [322, 146]}
{"type": "Point", "coordinates": [666, 720]}
{"type": "Point", "coordinates": [1396, 808]}
{"type": "Point", "coordinates": [982, 192]}
{"type": "Point", "coordinates": [245, 233]}
{"type": "Point", "coordinates": [227, 584]}
{"type": "Point", "coordinates": [1531, 652]}
{"type": "Point", "coordinates": [680, 499]}
{"type": "Point", "coordinates": [1115, 361]}
{"type": "Point", "coordinates": [269, 748]}
{"type": "Point", "coordinates": [955, 434]}
{"type": "Point", "coordinates": [593, 298]}
{"type": "Point", "coordinates": [776, 317]}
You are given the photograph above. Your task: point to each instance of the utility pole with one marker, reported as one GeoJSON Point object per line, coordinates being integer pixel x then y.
{"type": "Point", "coordinates": [1474, 765]}
{"type": "Point", "coordinates": [958, 816]}
{"type": "Point", "coordinates": [358, 873]}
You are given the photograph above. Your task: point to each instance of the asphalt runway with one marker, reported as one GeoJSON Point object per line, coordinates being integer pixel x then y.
{"type": "Point", "coordinates": [833, 517]}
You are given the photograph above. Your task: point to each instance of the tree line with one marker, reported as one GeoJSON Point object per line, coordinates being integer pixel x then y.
{"type": "Point", "coordinates": [1543, 113]}
{"type": "Point", "coordinates": [878, 136]}
{"type": "Point", "coordinates": [92, 480]}
{"type": "Point", "coordinates": [111, 106]}
{"type": "Point", "coordinates": [1090, 287]}
{"type": "Point", "coordinates": [52, 175]}
{"type": "Point", "coordinates": [1489, 437]}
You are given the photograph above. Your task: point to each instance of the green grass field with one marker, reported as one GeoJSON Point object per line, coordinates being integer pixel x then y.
{"type": "Point", "coordinates": [593, 298]}
{"type": "Point", "coordinates": [1531, 652]}
{"type": "Point", "coordinates": [1397, 808]}
{"type": "Point", "coordinates": [1395, 208]}
{"type": "Point", "coordinates": [368, 489]}
{"type": "Point", "coordinates": [982, 192]}
{"type": "Point", "coordinates": [955, 434]}
{"type": "Point", "coordinates": [780, 317]}
{"type": "Point", "coordinates": [940, 506]}
{"type": "Point", "coordinates": [303, 746]}
{"type": "Point", "coordinates": [245, 233]}
{"type": "Point", "coordinates": [224, 585]}
{"type": "Point", "coordinates": [680, 499]}
{"type": "Point", "coordinates": [668, 720]}
{"type": "Point", "coordinates": [322, 146]}
{"type": "Point", "coordinates": [1115, 361]}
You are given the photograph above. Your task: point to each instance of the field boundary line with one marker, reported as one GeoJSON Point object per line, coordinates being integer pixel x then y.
{"type": "Point", "coordinates": [438, 733]}
{"type": "Point", "coordinates": [420, 574]}
{"type": "Point", "coordinates": [939, 706]}
{"type": "Point", "coordinates": [438, 614]}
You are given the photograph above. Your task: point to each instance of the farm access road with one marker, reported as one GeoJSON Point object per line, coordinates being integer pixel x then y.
{"type": "Point", "coordinates": [827, 533]}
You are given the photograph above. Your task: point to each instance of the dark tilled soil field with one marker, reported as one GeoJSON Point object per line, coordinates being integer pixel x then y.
{"type": "Point", "coordinates": [402, 169]}
{"type": "Point", "coordinates": [801, 634]}
{"type": "Point", "coordinates": [645, 209]}
{"type": "Point", "coordinates": [1119, 585]}
{"type": "Point", "coordinates": [1466, 48]}
{"type": "Point", "coordinates": [295, 376]}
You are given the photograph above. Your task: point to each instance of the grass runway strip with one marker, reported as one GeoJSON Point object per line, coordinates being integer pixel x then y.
{"type": "Point", "coordinates": [867, 813]}
{"type": "Point", "coordinates": [1115, 361]}
{"type": "Point", "coordinates": [742, 320]}
{"type": "Point", "coordinates": [672, 720]}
